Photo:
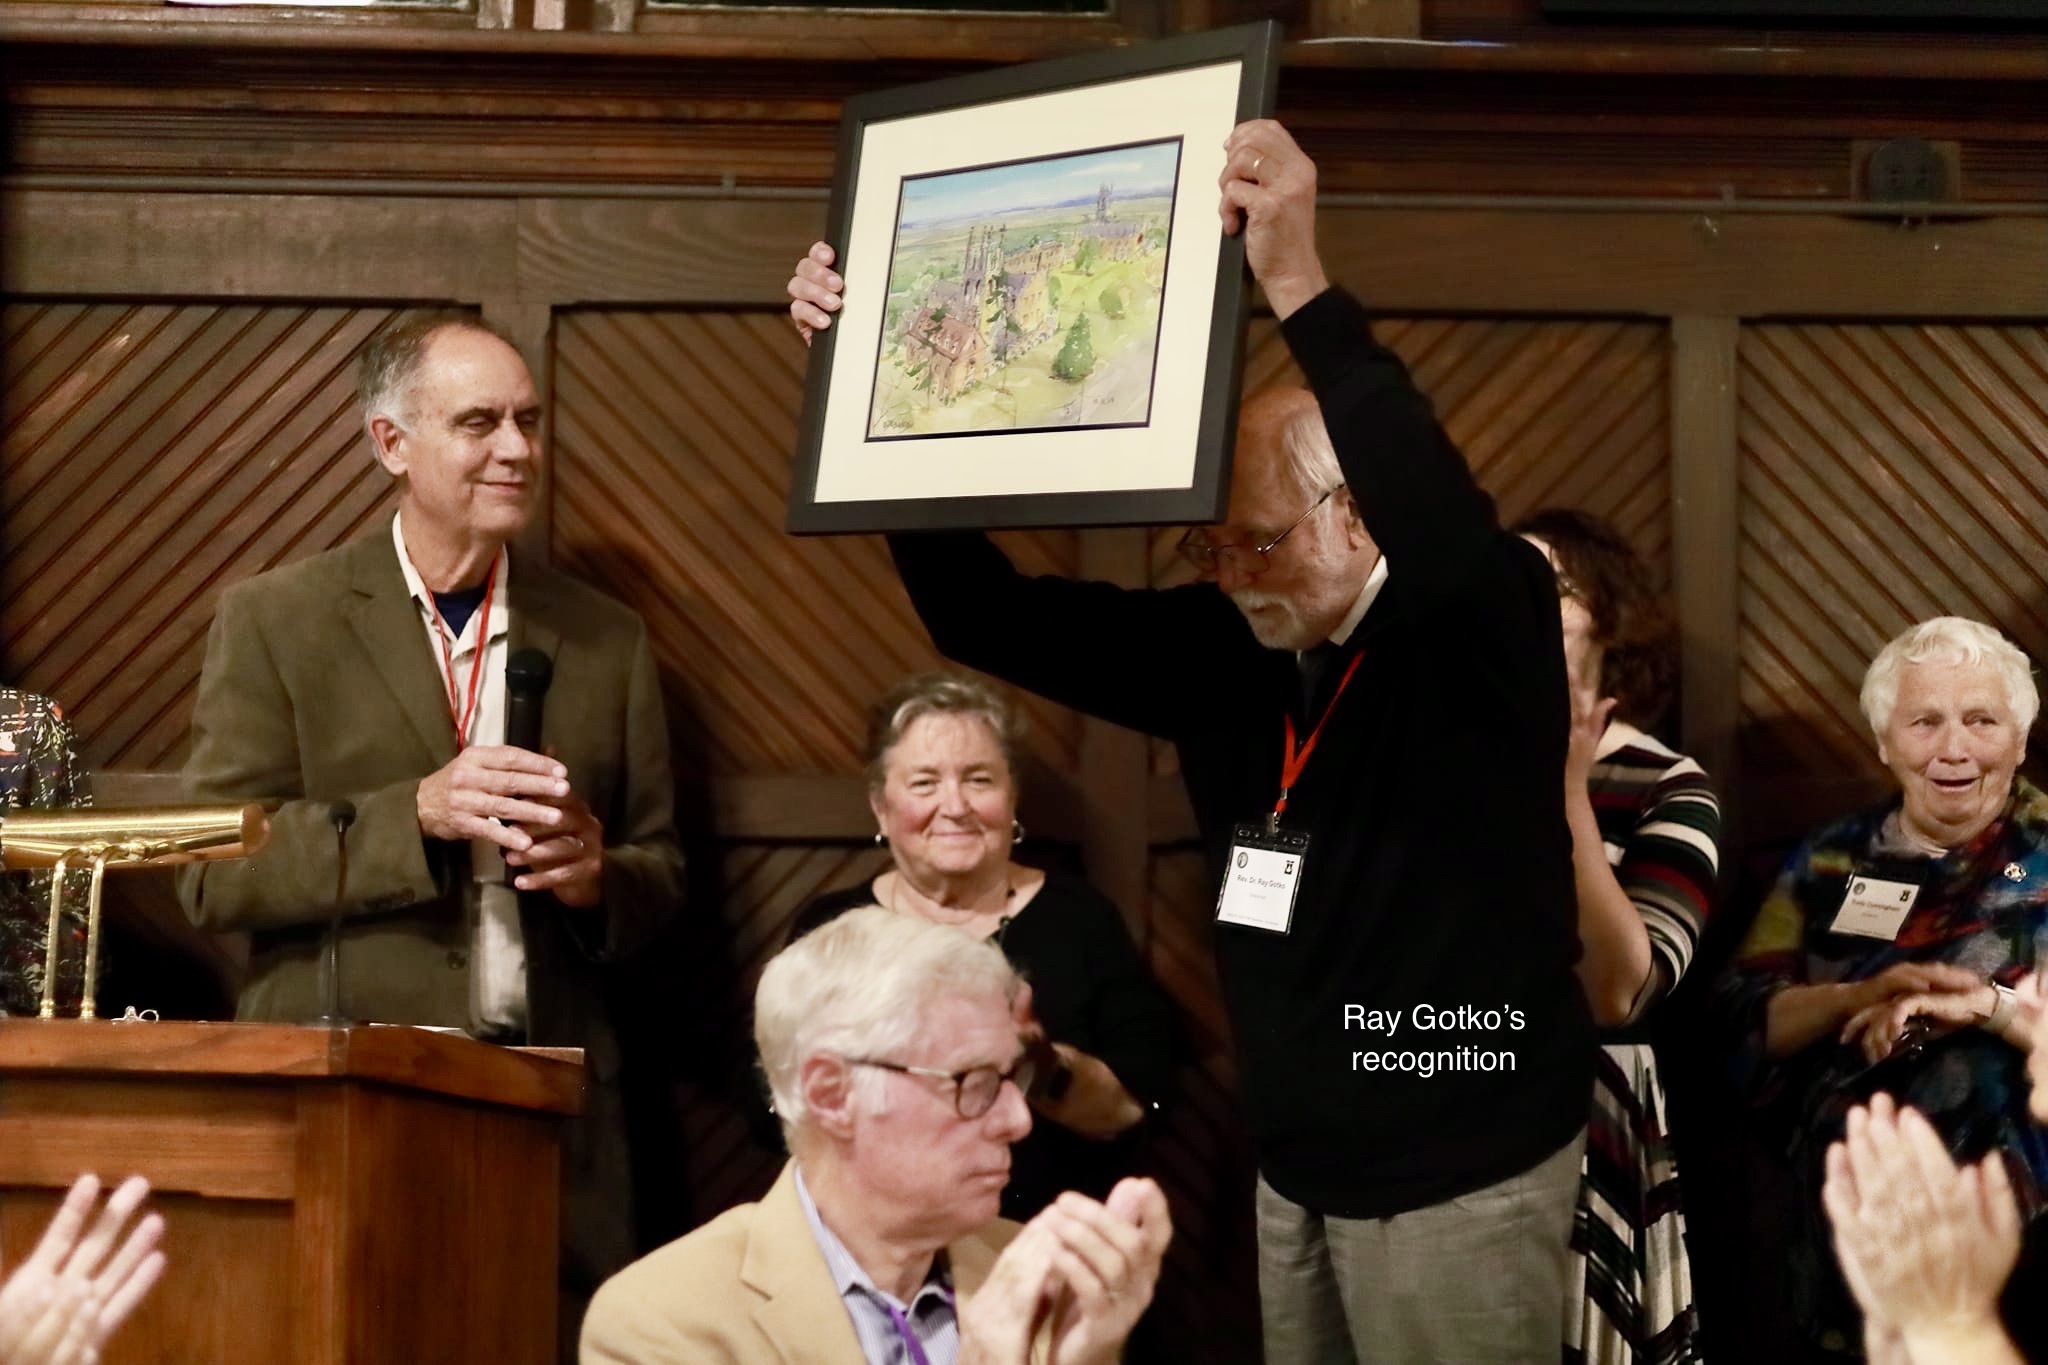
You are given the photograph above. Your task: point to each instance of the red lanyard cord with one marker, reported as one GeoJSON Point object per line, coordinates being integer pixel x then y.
{"type": "Point", "coordinates": [1295, 759]}
{"type": "Point", "coordinates": [462, 711]}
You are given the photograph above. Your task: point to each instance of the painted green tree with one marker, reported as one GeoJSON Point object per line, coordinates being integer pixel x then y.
{"type": "Point", "coordinates": [1077, 353]}
{"type": "Point", "coordinates": [1112, 302]}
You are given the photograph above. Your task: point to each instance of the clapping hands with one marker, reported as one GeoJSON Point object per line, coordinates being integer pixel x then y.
{"type": "Point", "coordinates": [61, 1305]}
{"type": "Point", "coordinates": [1924, 1246]}
{"type": "Point", "coordinates": [1082, 1272]}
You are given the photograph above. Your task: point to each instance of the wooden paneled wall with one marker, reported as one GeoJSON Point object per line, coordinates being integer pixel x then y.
{"type": "Point", "coordinates": [1819, 423]}
{"type": "Point", "coordinates": [1889, 474]}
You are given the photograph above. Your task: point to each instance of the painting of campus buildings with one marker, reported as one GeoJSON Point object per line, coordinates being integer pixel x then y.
{"type": "Point", "coordinates": [1025, 296]}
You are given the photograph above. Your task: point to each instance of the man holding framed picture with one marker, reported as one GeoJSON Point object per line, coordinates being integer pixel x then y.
{"type": "Point", "coordinates": [1371, 720]}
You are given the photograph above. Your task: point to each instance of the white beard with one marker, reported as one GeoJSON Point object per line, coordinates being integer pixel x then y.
{"type": "Point", "coordinates": [1305, 619]}
{"type": "Point", "coordinates": [1279, 628]}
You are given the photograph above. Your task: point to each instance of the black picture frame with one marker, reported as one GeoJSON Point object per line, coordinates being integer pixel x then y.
{"type": "Point", "coordinates": [839, 443]}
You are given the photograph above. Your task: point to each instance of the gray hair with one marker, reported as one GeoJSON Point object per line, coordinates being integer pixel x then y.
{"type": "Point", "coordinates": [940, 693]}
{"type": "Point", "coordinates": [1311, 458]}
{"type": "Point", "coordinates": [861, 986]}
{"type": "Point", "coordinates": [388, 368]}
{"type": "Point", "coordinates": [1951, 640]}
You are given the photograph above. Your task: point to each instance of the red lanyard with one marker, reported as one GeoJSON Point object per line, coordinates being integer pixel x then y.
{"type": "Point", "coordinates": [1297, 759]}
{"type": "Point", "coordinates": [463, 712]}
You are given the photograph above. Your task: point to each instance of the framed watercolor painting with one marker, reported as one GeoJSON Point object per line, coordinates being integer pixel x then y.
{"type": "Point", "coordinates": [1043, 323]}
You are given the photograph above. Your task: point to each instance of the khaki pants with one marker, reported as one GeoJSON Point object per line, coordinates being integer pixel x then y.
{"type": "Point", "coordinates": [1476, 1280]}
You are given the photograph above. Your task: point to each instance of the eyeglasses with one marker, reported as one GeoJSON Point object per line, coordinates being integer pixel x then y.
{"type": "Point", "coordinates": [975, 1089]}
{"type": "Point", "coordinates": [1198, 550]}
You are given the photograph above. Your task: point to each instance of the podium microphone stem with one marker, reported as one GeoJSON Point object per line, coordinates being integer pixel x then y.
{"type": "Point", "coordinates": [342, 814]}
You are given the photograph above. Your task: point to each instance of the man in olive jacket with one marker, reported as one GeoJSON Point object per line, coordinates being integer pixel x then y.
{"type": "Point", "coordinates": [375, 674]}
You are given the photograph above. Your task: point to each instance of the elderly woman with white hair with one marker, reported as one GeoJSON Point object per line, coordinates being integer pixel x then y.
{"type": "Point", "coordinates": [1884, 958]}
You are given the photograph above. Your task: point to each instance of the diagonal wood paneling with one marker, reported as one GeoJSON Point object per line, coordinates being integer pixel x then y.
{"type": "Point", "coordinates": [153, 454]}
{"type": "Point", "coordinates": [1889, 474]}
{"type": "Point", "coordinates": [673, 434]}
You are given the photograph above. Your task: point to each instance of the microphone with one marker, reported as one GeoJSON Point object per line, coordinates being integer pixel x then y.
{"type": "Point", "coordinates": [341, 815]}
{"type": "Point", "coordinates": [527, 675]}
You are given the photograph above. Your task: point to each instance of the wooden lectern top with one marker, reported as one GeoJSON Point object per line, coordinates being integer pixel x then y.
{"type": "Point", "coordinates": [544, 1079]}
{"type": "Point", "coordinates": [351, 1196]}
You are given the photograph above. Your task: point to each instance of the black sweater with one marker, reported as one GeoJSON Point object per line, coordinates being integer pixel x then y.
{"type": "Point", "coordinates": [1439, 868]}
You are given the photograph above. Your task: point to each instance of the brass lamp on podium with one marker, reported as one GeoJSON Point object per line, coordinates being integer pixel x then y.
{"type": "Point", "coordinates": [140, 836]}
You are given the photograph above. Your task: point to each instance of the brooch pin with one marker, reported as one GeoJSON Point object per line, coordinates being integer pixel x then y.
{"type": "Point", "coordinates": [2015, 873]}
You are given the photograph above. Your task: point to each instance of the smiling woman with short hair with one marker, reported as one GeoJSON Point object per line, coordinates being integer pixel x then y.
{"type": "Point", "coordinates": [941, 769]}
{"type": "Point", "coordinates": [1884, 956]}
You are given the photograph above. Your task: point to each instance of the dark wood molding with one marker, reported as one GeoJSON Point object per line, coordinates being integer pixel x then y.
{"type": "Point", "coordinates": [1706, 544]}
{"type": "Point", "coordinates": [723, 36]}
{"type": "Point", "coordinates": [256, 246]}
{"type": "Point", "coordinates": [736, 253]}
{"type": "Point", "coordinates": [752, 99]}
{"type": "Point", "coordinates": [1671, 264]}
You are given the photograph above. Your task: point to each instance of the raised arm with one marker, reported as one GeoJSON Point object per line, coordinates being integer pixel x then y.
{"type": "Point", "coordinates": [1146, 659]}
{"type": "Point", "coordinates": [1412, 487]}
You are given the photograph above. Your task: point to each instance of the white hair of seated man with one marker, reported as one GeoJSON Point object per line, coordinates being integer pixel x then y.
{"type": "Point", "coordinates": [860, 987]}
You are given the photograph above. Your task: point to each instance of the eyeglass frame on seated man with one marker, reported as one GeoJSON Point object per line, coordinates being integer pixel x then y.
{"type": "Point", "coordinates": [1193, 551]}
{"type": "Point", "coordinates": [1019, 1073]}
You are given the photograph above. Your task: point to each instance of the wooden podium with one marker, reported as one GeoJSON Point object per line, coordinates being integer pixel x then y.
{"type": "Point", "coordinates": [362, 1195]}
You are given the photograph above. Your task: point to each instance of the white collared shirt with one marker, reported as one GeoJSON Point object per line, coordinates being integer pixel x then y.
{"type": "Point", "coordinates": [1374, 581]}
{"type": "Point", "coordinates": [497, 960]}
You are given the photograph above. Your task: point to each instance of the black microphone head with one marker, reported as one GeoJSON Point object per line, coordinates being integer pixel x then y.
{"type": "Point", "coordinates": [341, 815]}
{"type": "Point", "coordinates": [528, 673]}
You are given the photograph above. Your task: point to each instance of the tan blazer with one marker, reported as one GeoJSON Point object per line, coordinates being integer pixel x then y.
{"type": "Point", "coordinates": [320, 684]}
{"type": "Point", "coordinates": [750, 1288]}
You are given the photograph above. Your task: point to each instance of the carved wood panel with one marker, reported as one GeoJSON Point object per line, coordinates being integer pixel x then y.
{"type": "Point", "coordinates": [152, 455]}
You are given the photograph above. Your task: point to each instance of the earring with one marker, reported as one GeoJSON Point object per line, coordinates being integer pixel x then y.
{"type": "Point", "coordinates": [880, 839]}
{"type": "Point", "coordinates": [1016, 831]}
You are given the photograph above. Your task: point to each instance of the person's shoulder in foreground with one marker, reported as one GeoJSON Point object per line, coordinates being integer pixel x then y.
{"type": "Point", "coordinates": [750, 1285]}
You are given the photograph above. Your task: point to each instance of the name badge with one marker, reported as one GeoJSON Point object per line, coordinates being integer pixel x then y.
{"type": "Point", "coordinates": [1260, 880]}
{"type": "Point", "coordinates": [1874, 907]}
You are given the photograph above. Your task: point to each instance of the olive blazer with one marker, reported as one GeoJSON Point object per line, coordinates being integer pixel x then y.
{"type": "Point", "coordinates": [320, 685]}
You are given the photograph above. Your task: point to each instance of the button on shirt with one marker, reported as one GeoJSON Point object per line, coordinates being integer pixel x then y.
{"type": "Point", "coordinates": [497, 977]}
{"type": "Point", "coordinates": [929, 1317]}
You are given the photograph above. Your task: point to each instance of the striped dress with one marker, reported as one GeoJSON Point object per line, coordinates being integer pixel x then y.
{"type": "Point", "coordinates": [1629, 1293]}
